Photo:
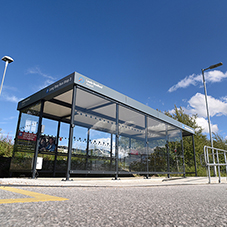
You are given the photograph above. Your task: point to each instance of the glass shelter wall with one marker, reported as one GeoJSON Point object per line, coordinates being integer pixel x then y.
{"type": "Point", "coordinates": [95, 120]}
{"type": "Point", "coordinates": [106, 137]}
{"type": "Point", "coordinates": [132, 151]}
{"type": "Point", "coordinates": [26, 138]}
{"type": "Point", "coordinates": [157, 146]}
{"type": "Point", "coordinates": [176, 156]}
{"type": "Point", "coordinates": [47, 147]}
{"type": "Point", "coordinates": [165, 153]}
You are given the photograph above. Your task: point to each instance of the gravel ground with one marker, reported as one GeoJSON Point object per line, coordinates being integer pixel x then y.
{"type": "Point", "coordinates": [191, 205]}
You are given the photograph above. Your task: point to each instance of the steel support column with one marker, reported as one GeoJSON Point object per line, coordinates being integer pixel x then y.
{"type": "Point", "coordinates": [130, 156]}
{"type": "Point", "coordinates": [71, 133]}
{"type": "Point", "coordinates": [87, 148]}
{"type": "Point", "coordinates": [116, 141]}
{"type": "Point", "coordinates": [167, 149]}
{"type": "Point", "coordinates": [111, 151]}
{"type": "Point", "coordinates": [182, 145]}
{"type": "Point", "coordinates": [193, 144]}
{"type": "Point", "coordinates": [37, 140]}
{"type": "Point", "coordinates": [56, 150]}
{"type": "Point", "coordinates": [146, 145]}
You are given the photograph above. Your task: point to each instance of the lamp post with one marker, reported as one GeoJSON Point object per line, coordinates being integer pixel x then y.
{"type": "Point", "coordinates": [8, 60]}
{"type": "Point", "coordinates": [208, 115]}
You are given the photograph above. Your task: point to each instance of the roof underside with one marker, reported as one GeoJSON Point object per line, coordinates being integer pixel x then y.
{"type": "Point", "coordinates": [95, 102]}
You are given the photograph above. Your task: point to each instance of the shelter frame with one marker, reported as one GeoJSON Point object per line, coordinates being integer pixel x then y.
{"type": "Point", "coordinates": [141, 140]}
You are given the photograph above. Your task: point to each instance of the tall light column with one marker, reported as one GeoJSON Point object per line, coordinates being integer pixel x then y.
{"type": "Point", "coordinates": [208, 115]}
{"type": "Point", "coordinates": [8, 60]}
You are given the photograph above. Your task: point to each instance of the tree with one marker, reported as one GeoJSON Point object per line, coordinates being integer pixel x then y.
{"type": "Point", "coordinates": [6, 146]}
{"type": "Point", "coordinates": [199, 139]}
{"type": "Point", "coordinates": [219, 141]}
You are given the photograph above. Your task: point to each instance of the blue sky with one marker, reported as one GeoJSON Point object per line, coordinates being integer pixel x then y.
{"type": "Point", "coordinates": [151, 51]}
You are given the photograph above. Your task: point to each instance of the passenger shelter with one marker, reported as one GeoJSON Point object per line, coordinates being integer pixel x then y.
{"type": "Point", "coordinates": [78, 126]}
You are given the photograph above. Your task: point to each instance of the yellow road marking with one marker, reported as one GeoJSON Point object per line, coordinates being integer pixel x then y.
{"type": "Point", "coordinates": [36, 197]}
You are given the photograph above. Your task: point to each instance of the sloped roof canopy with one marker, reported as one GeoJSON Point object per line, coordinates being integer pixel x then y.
{"type": "Point", "coordinates": [94, 99]}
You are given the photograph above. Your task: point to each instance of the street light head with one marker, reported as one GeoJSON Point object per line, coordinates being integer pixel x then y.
{"type": "Point", "coordinates": [7, 58]}
{"type": "Point", "coordinates": [216, 65]}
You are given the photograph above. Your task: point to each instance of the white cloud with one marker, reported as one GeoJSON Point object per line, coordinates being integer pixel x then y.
{"type": "Point", "coordinates": [172, 111]}
{"type": "Point", "coordinates": [204, 124]}
{"type": "Point", "coordinates": [10, 98]}
{"type": "Point", "coordinates": [6, 96]}
{"type": "Point", "coordinates": [211, 76]}
{"type": "Point", "coordinates": [45, 84]}
{"type": "Point", "coordinates": [36, 70]}
{"type": "Point", "coordinates": [224, 99]}
{"type": "Point", "coordinates": [10, 88]}
{"type": "Point", "coordinates": [197, 106]}
{"type": "Point", "coordinates": [49, 79]}
{"type": "Point", "coordinates": [192, 79]}
{"type": "Point", "coordinates": [215, 76]}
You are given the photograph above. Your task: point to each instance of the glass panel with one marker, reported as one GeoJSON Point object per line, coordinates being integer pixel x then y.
{"type": "Point", "coordinates": [92, 150]}
{"type": "Point", "coordinates": [95, 112]}
{"type": "Point", "coordinates": [79, 146]}
{"type": "Point", "coordinates": [157, 152]}
{"type": "Point", "coordinates": [48, 144]}
{"type": "Point", "coordinates": [59, 106]}
{"type": "Point", "coordinates": [132, 151]}
{"type": "Point", "coordinates": [95, 122]}
{"type": "Point", "coordinates": [63, 138]}
{"type": "Point", "coordinates": [21, 161]}
{"type": "Point", "coordinates": [79, 140]}
{"type": "Point", "coordinates": [175, 149]}
{"type": "Point", "coordinates": [61, 163]}
{"type": "Point", "coordinates": [48, 162]}
{"type": "Point", "coordinates": [65, 97]}
{"type": "Point", "coordinates": [48, 138]}
{"type": "Point", "coordinates": [62, 151]}
{"type": "Point", "coordinates": [101, 153]}
{"type": "Point", "coordinates": [28, 126]}
{"type": "Point", "coordinates": [56, 110]}
{"type": "Point", "coordinates": [26, 139]}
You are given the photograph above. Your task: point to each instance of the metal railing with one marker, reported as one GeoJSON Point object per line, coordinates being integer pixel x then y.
{"type": "Point", "coordinates": [213, 161]}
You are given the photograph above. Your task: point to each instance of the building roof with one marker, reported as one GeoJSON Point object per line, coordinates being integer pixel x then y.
{"type": "Point", "coordinates": [63, 89]}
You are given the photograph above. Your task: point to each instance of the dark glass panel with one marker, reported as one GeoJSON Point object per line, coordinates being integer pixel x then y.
{"type": "Point", "coordinates": [132, 151]}
{"type": "Point", "coordinates": [157, 149]}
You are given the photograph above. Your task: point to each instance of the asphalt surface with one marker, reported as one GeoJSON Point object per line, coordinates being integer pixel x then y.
{"type": "Point", "coordinates": [109, 182]}
{"type": "Point", "coordinates": [186, 205]}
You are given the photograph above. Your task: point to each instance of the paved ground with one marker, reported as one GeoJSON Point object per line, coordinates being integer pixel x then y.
{"type": "Point", "coordinates": [173, 205]}
{"type": "Point", "coordinates": [108, 182]}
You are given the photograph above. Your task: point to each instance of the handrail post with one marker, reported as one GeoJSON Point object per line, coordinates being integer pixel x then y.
{"type": "Point", "coordinates": [208, 166]}
{"type": "Point", "coordinates": [215, 164]}
{"type": "Point", "coordinates": [225, 163]}
{"type": "Point", "coordinates": [219, 173]}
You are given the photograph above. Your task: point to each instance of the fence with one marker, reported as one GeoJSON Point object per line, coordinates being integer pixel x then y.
{"type": "Point", "coordinates": [215, 157]}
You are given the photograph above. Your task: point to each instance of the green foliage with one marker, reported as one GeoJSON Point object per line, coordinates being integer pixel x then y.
{"type": "Point", "coordinates": [219, 141]}
{"type": "Point", "coordinates": [6, 146]}
{"type": "Point", "coordinates": [200, 140]}
{"type": "Point", "coordinates": [157, 160]}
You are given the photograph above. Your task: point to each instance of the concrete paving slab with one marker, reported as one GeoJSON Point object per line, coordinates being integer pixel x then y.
{"type": "Point", "coordinates": [108, 182]}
